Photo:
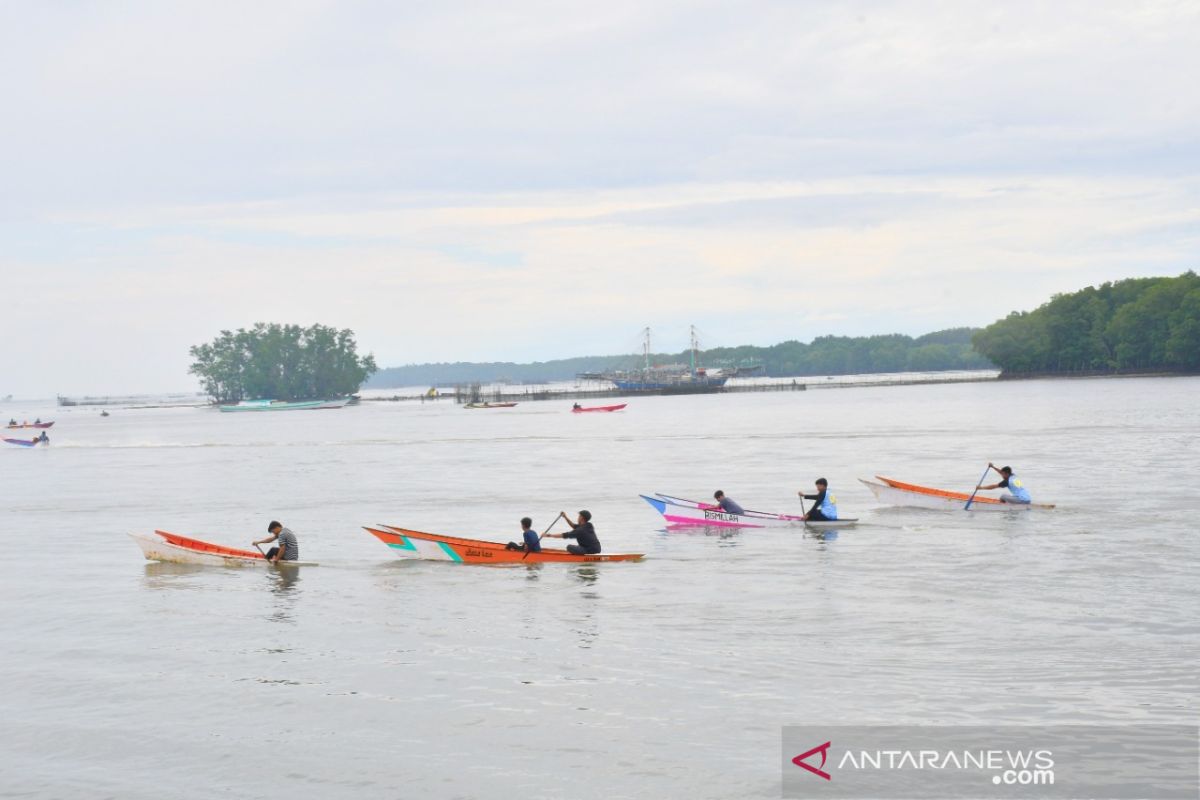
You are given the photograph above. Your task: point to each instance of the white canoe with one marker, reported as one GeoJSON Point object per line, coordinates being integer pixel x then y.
{"type": "Point", "coordinates": [177, 549]}
{"type": "Point", "coordinates": [897, 493]}
{"type": "Point", "coordinates": [677, 511]}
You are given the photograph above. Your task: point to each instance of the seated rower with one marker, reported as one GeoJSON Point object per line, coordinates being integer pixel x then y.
{"type": "Point", "coordinates": [288, 548]}
{"type": "Point", "coordinates": [1018, 493]}
{"type": "Point", "coordinates": [583, 532]}
{"type": "Point", "coordinates": [530, 541]}
{"type": "Point", "coordinates": [726, 504]}
{"type": "Point", "coordinates": [824, 504]}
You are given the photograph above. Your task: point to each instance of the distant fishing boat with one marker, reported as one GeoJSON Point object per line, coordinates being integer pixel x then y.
{"type": "Point", "coordinates": [25, 442]}
{"type": "Point", "coordinates": [286, 405]}
{"type": "Point", "coordinates": [43, 425]}
{"type": "Point", "coordinates": [668, 379]}
{"type": "Point", "coordinates": [583, 410]}
{"type": "Point", "coordinates": [489, 405]}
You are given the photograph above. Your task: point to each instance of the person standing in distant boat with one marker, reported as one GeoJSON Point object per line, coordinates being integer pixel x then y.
{"type": "Point", "coordinates": [530, 541]}
{"type": "Point", "coordinates": [726, 504]}
{"type": "Point", "coordinates": [824, 506]}
{"type": "Point", "coordinates": [288, 548]}
{"type": "Point", "coordinates": [1017, 491]}
{"type": "Point", "coordinates": [582, 532]}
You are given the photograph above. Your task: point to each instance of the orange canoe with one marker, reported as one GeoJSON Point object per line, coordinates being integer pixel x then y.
{"type": "Point", "coordinates": [952, 496]}
{"type": "Point", "coordinates": [437, 547]}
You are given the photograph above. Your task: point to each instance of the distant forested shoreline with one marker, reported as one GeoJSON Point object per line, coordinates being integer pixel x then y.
{"type": "Point", "coordinates": [1140, 325]}
{"type": "Point", "coordinates": [826, 355]}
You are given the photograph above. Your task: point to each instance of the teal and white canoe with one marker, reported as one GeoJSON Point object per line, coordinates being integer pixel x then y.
{"type": "Point", "coordinates": [285, 405]}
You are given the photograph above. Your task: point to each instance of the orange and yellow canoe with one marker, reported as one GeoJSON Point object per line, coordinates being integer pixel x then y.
{"type": "Point", "coordinates": [407, 543]}
{"type": "Point", "coordinates": [899, 493]}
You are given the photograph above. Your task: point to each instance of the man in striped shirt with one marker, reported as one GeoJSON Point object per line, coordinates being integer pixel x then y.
{"type": "Point", "coordinates": [288, 548]}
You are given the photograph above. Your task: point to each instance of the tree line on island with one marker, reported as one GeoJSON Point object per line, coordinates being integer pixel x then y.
{"type": "Point", "coordinates": [826, 355]}
{"type": "Point", "coordinates": [1134, 325]}
{"type": "Point", "coordinates": [281, 362]}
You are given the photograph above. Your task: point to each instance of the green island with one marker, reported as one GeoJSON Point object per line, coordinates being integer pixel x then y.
{"type": "Point", "coordinates": [281, 362]}
{"type": "Point", "coordinates": [1136, 325]}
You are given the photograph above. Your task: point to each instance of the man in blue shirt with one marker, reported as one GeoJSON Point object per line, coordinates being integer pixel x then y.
{"type": "Point", "coordinates": [1019, 494]}
{"type": "Point", "coordinates": [726, 504]}
{"type": "Point", "coordinates": [531, 543]}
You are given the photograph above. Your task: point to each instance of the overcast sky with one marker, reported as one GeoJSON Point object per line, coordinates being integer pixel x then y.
{"type": "Point", "coordinates": [534, 180]}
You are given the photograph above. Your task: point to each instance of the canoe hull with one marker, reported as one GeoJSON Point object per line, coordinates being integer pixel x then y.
{"type": "Point", "coordinates": [40, 425]}
{"type": "Point", "coordinates": [898, 493]}
{"type": "Point", "coordinates": [308, 405]}
{"type": "Point", "coordinates": [406, 543]}
{"type": "Point", "coordinates": [177, 549]}
{"type": "Point", "coordinates": [619, 407]}
{"type": "Point", "coordinates": [677, 511]}
{"type": "Point", "coordinates": [23, 442]}
{"type": "Point", "coordinates": [489, 405]}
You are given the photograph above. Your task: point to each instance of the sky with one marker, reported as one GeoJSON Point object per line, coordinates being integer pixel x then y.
{"type": "Point", "coordinates": [525, 181]}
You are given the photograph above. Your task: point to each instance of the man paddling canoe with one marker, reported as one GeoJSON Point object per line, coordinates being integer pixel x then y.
{"type": "Point", "coordinates": [824, 504]}
{"type": "Point", "coordinates": [530, 541]}
{"type": "Point", "coordinates": [727, 504]}
{"type": "Point", "coordinates": [288, 548]}
{"type": "Point", "coordinates": [1018, 493]}
{"type": "Point", "coordinates": [583, 532]}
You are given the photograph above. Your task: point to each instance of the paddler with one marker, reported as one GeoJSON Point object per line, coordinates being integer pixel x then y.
{"type": "Point", "coordinates": [583, 532]}
{"type": "Point", "coordinates": [1017, 491]}
{"type": "Point", "coordinates": [288, 548]}
{"type": "Point", "coordinates": [824, 504]}
{"type": "Point", "coordinates": [529, 537]}
{"type": "Point", "coordinates": [727, 504]}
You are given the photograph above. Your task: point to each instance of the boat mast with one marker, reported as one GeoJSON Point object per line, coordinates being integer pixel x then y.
{"type": "Point", "coordinates": [695, 344]}
{"type": "Point", "coordinates": [646, 348]}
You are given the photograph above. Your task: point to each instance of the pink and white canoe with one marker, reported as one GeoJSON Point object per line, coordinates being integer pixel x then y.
{"type": "Point", "coordinates": [172, 547]}
{"type": "Point", "coordinates": [678, 511]}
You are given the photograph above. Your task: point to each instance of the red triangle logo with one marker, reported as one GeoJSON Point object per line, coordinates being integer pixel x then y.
{"type": "Point", "coordinates": [818, 771]}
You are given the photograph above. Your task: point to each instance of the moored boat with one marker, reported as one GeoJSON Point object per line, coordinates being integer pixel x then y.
{"type": "Point", "coordinates": [185, 550]}
{"type": "Point", "coordinates": [898, 493]}
{"type": "Point", "coordinates": [582, 410]}
{"type": "Point", "coordinates": [285, 405]}
{"type": "Point", "coordinates": [407, 543]}
{"type": "Point", "coordinates": [489, 405]}
{"type": "Point", "coordinates": [678, 511]}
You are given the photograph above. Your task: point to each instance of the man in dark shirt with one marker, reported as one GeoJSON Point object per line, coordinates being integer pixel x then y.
{"type": "Point", "coordinates": [727, 504]}
{"type": "Point", "coordinates": [582, 532]}
{"type": "Point", "coordinates": [530, 541]}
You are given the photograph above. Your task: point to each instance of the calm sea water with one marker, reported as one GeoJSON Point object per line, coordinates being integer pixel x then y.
{"type": "Point", "coordinates": [370, 677]}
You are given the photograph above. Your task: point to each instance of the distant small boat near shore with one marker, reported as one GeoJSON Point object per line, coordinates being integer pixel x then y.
{"type": "Point", "coordinates": [285, 405]}
{"type": "Point", "coordinates": [489, 405]}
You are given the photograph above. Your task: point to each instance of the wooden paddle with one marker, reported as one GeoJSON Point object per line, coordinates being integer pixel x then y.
{"type": "Point", "coordinates": [971, 499]}
{"type": "Point", "coordinates": [259, 549]}
{"type": "Point", "coordinates": [803, 512]}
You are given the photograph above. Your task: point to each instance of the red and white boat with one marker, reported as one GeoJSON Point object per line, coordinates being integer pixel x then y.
{"type": "Point", "coordinates": [582, 409]}
{"type": "Point", "coordinates": [178, 549]}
